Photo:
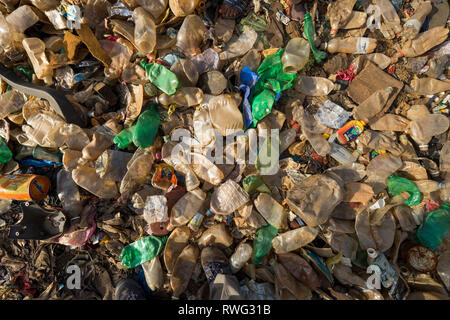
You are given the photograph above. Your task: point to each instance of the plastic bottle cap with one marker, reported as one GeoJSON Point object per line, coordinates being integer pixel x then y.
{"type": "Point", "coordinates": [372, 253]}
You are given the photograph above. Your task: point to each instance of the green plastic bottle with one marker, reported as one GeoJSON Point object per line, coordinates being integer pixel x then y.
{"type": "Point", "coordinates": [319, 56]}
{"type": "Point", "coordinates": [435, 227]}
{"type": "Point", "coordinates": [142, 250]}
{"type": "Point", "coordinates": [263, 242]}
{"type": "Point", "coordinates": [161, 77]}
{"type": "Point", "coordinates": [143, 133]}
{"type": "Point", "coordinates": [397, 185]}
{"type": "Point", "coordinates": [5, 154]}
{"type": "Point", "coordinates": [254, 184]}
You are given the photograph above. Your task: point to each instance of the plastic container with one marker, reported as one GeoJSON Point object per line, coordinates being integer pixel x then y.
{"type": "Point", "coordinates": [294, 239]}
{"type": "Point", "coordinates": [25, 187]}
{"type": "Point", "coordinates": [190, 35]}
{"type": "Point", "coordinates": [413, 25]}
{"type": "Point", "coordinates": [241, 255]}
{"type": "Point", "coordinates": [35, 49]}
{"type": "Point", "coordinates": [184, 97]}
{"type": "Point", "coordinates": [352, 45]}
{"type": "Point", "coordinates": [296, 55]}
{"type": "Point", "coordinates": [423, 129]}
{"type": "Point", "coordinates": [314, 86]}
{"type": "Point", "coordinates": [144, 31]}
{"type": "Point", "coordinates": [182, 8]}
{"type": "Point", "coordinates": [186, 208]}
{"type": "Point", "coordinates": [271, 210]}
{"type": "Point", "coordinates": [350, 131]}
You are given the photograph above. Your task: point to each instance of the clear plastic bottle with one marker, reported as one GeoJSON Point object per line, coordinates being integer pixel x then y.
{"type": "Point", "coordinates": [423, 129]}
{"type": "Point", "coordinates": [97, 146]}
{"type": "Point", "coordinates": [356, 20]}
{"type": "Point", "coordinates": [187, 207]}
{"type": "Point", "coordinates": [183, 269]}
{"type": "Point", "coordinates": [22, 18]}
{"type": "Point", "coordinates": [217, 234]}
{"type": "Point", "coordinates": [176, 242]}
{"type": "Point", "coordinates": [228, 197]}
{"type": "Point", "coordinates": [380, 59]}
{"type": "Point", "coordinates": [422, 43]}
{"type": "Point", "coordinates": [427, 86]}
{"type": "Point", "coordinates": [35, 49]}
{"type": "Point", "coordinates": [144, 31]}
{"type": "Point", "coordinates": [373, 105]}
{"type": "Point", "coordinates": [70, 159]}
{"type": "Point", "coordinates": [339, 13]}
{"type": "Point", "coordinates": [341, 154]}
{"type": "Point", "coordinates": [437, 66]}
{"type": "Point", "coordinates": [184, 97]}
{"type": "Point", "coordinates": [68, 193]}
{"type": "Point", "coordinates": [294, 239]}
{"type": "Point", "coordinates": [385, 270]}
{"type": "Point", "coordinates": [271, 210]}
{"type": "Point", "coordinates": [287, 137]}
{"type": "Point", "coordinates": [241, 45]}
{"type": "Point", "coordinates": [390, 16]}
{"type": "Point", "coordinates": [353, 45]}
{"type": "Point", "coordinates": [295, 55]}
{"type": "Point", "coordinates": [186, 72]}
{"type": "Point", "coordinates": [153, 273]}
{"type": "Point", "coordinates": [241, 255]}
{"type": "Point", "coordinates": [139, 172]}
{"type": "Point", "coordinates": [417, 111]}
{"type": "Point", "coordinates": [191, 35]}
{"type": "Point", "coordinates": [182, 8]}
{"type": "Point", "coordinates": [413, 25]}
{"type": "Point", "coordinates": [88, 179]}
{"type": "Point", "coordinates": [155, 7]}
{"type": "Point", "coordinates": [314, 86]}
{"type": "Point", "coordinates": [225, 115]}
{"type": "Point", "coordinates": [205, 169]}
{"type": "Point", "coordinates": [112, 164]}
{"type": "Point", "coordinates": [390, 122]}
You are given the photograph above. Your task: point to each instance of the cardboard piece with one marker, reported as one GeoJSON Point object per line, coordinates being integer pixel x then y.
{"type": "Point", "coordinates": [370, 79]}
{"type": "Point", "coordinates": [71, 43]}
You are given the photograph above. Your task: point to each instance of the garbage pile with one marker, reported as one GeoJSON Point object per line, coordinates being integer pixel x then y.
{"type": "Point", "coordinates": [194, 150]}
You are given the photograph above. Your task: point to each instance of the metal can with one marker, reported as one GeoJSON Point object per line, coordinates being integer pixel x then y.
{"type": "Point", "coordinates": [24, 187]}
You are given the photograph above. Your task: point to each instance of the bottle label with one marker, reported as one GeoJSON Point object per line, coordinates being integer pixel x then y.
{"type": "Point", "coordinates": [197, 220]}
{"type": "Point", "coordinates": [362, 45]}
{"type": "Point", "coordinates": [414, 23]}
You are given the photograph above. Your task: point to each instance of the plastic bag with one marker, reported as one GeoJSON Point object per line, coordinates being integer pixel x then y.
{"type": "Point", "coordinates": [143, 250]}
{"type": "Point", "coordinates": [397, 185]}
{"type": "Point", "coordinates": [263, 242]}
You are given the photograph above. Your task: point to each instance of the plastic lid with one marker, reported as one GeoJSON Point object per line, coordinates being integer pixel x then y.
{"type": "Point", "coordinates": [372, 253]}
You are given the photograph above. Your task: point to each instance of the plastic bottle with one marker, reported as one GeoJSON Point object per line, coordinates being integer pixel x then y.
{"type": "Point", "coordinates": [294, 239]}
{"type": "Point", "coordinates": [435, 227]}
{"type": "Point", "coordinates": [287, 137]}
{"type": "Point", "coordinates": [161, 77]}
{"type": "Point", "coordinates": [390, 122]}
{"type": "Point", "coordinates": [228, 197]}
{"type": "Point", "coordinates": [144, 31]}
{"type": "Point", "coordinates": [206, 61]}
{"type": "Point", "coordinates": [263, 242]}
{"type": "Point", "coordinates": [35, 49]}
{"type": "Point", "coordinates": [389, 14]}
{"type": "Point", "coordinates": [332, 115]}
{"type": "Point", "coordinates": [427, 86]}
{"type": "Point", "coordinates": [423, 129]}
{"type": "Point", "coordinates": [409, 151]}
{"type": "Point", "coordinates": [187, 207]}
{"type": "Point", "coordinates": [97, 146]}
{"type": "Point", "coordinates": [296, 55]}
{"type": "Point", "coordinates": [350, 131]}
{"type": "Point", "coordinates": [413, 25]}
{"type": "Point", "coordinates": [139, 172]}
{"type": "Point", "coordinates": [356, 20]}
{"type": "Point", "coordinates": [386, 272]}
{"type": "Point", "coordinates": [380, 59]}
{"type": "Point", "coordinates": [428, 186]}
{"type": "Point", "coordinates": [341, 154]}
{"type": "Point", "coordinates": [186, 72]}
{"type": "Point", "coordinates": [183, 269]}
{"type": "Point", "coordinates": [339, 13]}
{"type": "Point", "coordinates": [22, 18]}
{"type": "Point", "coordinates": [271, 210]}
{"type": "Point", "coordinates": [155, 7]}
{"type": "Point", "coordinates": [143, 133]}
{"type": "Point", "coordinates": [225, 115]}
{"type": "Point", "coordinates": [112, 164]}
{"type": "Point", "coordinates": [308, 28]}
{"type": "Point", "coordinates": [5, 154]}
{"type": "Point", "coordinates": [153, 273]}
{"type": "Point", "coordinates": [314, 86]}
{"type": "Point", "coordinates": [87, 178]}
{"type": "Point", "coordinates": [241, 255]}
{"type": "Point", "coordinates": [142, 250]}
{"type": "Point", "coordinates": [240, 46]}
{"type": "Point", "coordinates": [373, 105]}
{"type": "Point", "coordinates": [422, 43]}
{"type": "Point", "coordinates": [68, 193]}
{"type": "Point", "coordinates": [184, 97]}
{"type": "Point", "coordinates": [191, 35]}
{"type": "Point", "coordinates": [182, 8]}
{"type": "Point", "coordinates": [353, 45]}
{"type": "Point", "coordinates": [216, 235]}
{"type": "Point", "coordinates": [437, 67]}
